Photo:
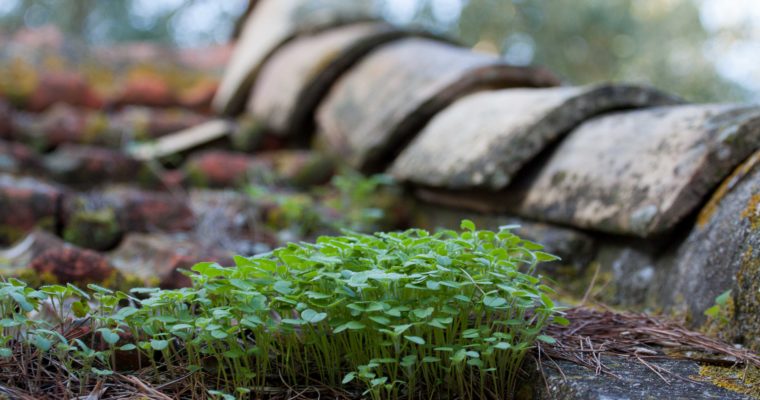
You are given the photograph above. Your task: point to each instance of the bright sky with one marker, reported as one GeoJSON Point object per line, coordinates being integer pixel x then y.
{"type": "Point", "coordinates": [737, 59]}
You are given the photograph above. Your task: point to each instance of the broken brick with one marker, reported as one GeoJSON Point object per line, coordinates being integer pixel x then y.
{"type": "Point", "coordinates": [60, 124]}
{"type": "Point", "coordinates": [6, 115]}
{"type": "Point", "coordinates": [302, 168]}
{"type": "Point", "coordinates": [157, 258]}
{"type": "Point", "coordinates": [218, 168]}
{"type": "Point", "coordinates": [92, 222]}
{"type": "Point", "coordinates": [199, 97]}
{"type": "Point", "coordinates": [73, 265]}
{"type": "Point", "coordinates": [143, 211]}
{"type": "Point", "coordinates": [63, 87]}
{"type": "Point", "coordinates": [90, 165]}
{"type": "Point", "coordinates": [146, 91]}
{"type": "Point", "coordinates": [24, 204]}
{"type": "Point", "coordinates": [17, 158]}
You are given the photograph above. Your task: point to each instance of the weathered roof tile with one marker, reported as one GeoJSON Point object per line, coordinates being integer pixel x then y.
{"type": "Point", "coordinates": [640, 172]}
{"type": "Point", "coordinates": [271, 23]}
{"type": "Point", "coordinates": [298, 76]}
{"type": "Point", "coordinates": [391, 93]}
{"type": "Point", "coordinates": [483, 139]}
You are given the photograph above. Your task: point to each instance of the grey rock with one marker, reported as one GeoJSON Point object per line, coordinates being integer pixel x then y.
{"type": "Point", "coordinates": [484, 139]}
{"type": "Point", "coordinates": [633, 381]}
{"type": "Point", "coordinates": [270, 24]}
{"type": "Point", "coordinates": [388, 97]}
{"type": "Point", "coordinates": [722, 252]}
{"type": "Point", "coordinates": [299, 74]}
{"type": "Point", "coordinates": [639, 172]}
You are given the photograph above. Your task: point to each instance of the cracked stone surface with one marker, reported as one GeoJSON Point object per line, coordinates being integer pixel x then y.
{"type": "Point", "coordinates": [633, 381]}
{"type": "Point", "coordinates": [484, 139]}
{"type": "Point", "coordinates": [387, 97]}
{"type": "Point", "coordinates": [721, 253]}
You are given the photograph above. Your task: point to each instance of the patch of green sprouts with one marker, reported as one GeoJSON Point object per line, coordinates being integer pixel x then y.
{"type": "Point", "coordinates": [386, 316]}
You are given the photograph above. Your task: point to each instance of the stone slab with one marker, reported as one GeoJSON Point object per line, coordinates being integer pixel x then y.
{"type": "Point", "coordinates": [270, 24]}
{"type": "Point", "coordinates": [721, 253]}
{"type": "Point", "coordinates": [639, 172]}
{"type": "Point", "coordinates": [299, 75]}
{"type": "Point", "coordinates": [388, 97]}
{"type": "Point", "coordinates": [632, 380]}
{"type": "Point", "coordinates": [484, 139]}
{"type": "Point", "coordinates": [183, 140]}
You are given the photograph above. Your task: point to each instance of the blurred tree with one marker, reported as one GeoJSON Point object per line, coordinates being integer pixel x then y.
{"type": "Point", "coordinates": [585, 41]}
{"type": "Point", "coordinates": [109, 21]}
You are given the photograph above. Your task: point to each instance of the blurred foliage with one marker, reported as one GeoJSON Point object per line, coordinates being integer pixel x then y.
{"type": "Point", "coordinates": [182, 22]}
{"type": "Point", "coordinates": [660, 42]}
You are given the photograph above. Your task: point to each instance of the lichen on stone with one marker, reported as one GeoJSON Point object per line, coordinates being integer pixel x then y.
{"type": "Point", "coordinates": [752, 212]}
{"type": "Point", "coordinates": [707, 212]}
{"type": "Point", "coordinates": [739, 380]}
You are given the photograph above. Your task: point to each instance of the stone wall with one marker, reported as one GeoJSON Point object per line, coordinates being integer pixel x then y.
{"type": "Point", "coordinates": [660, 195]}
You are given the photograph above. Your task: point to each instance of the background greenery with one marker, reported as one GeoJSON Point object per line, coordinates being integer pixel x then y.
{"type": "Point", "coordinates": [672, 44]}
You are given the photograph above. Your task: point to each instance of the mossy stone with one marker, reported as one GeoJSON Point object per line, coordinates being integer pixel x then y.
{"type": "Point", "coordinates": [93, 229]}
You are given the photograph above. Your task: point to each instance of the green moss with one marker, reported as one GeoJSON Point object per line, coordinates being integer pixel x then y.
{"type": "Point", "coordinates": [196, 177]}
{"type": "Point", "coordinates": [249, 134]}
{"type": "Point", "coordinates": [36, 279]}
{"type": "Point", "coordinates": [96, 229]}
{"type": "Point", "coordinates": [10, 234]}
{"type": "Point", "coordinates": [147, 177]}
{"type": "Point", "coordinates": [720, 318]}
{"type": "Point", "coordinates": [316, 171]}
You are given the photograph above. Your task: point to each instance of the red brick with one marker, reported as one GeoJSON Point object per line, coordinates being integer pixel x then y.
{"type": "Point", "coordinates": [91, 165]}
{"type": "Point", "coordinates": [26, 203]}
{"type": "Point", "coordinates": [63, 87]}
{"type": "Point", "coordinates": [143, 211]}
{"type": "Point", "coordinates": [17, 158]}
{"type": "Point", "coordinates": [6, 125]}
{"type": "Point", "coordinates": [73, 265]}
{"type": "Point", "coordinates": [146, 91]}
{"type": "Point", "coordinates": [217, 168]}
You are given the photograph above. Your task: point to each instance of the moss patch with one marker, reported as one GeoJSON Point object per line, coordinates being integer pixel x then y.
{"type": "Point", "coordinates": [96, 229]}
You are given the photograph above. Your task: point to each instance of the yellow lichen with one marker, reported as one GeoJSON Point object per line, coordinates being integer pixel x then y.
{"type": "Point", "coordinates": [740, 380]}
{"type": "Point", "coordinates": [752, 212]}
{"type": "Point", "coordinates": [748, 296]}
{"type": "Point", "coordinates": [740, 172]}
